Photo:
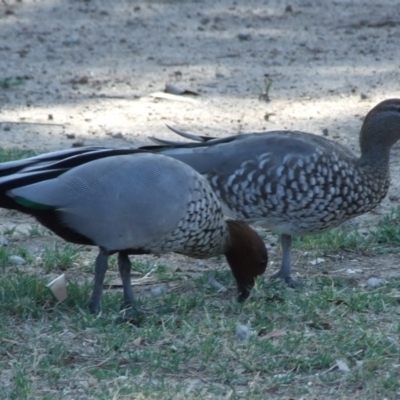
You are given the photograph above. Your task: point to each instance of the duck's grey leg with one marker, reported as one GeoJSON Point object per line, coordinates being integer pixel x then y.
{"type": "Point", "coordinates": [124, 266]}
{"type": "Point", "coordinates": [100, 270]}
{"type": "Point", "coordinates": [284, 272]}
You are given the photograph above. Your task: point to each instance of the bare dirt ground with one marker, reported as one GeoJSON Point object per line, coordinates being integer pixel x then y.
{"type": "Point", "coordinates": [85, 72]}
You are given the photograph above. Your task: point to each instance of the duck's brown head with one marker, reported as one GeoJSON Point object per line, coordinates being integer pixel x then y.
{"type": "Point", "coordinates": [246, 255]}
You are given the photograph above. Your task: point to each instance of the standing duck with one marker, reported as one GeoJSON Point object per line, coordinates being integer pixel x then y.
{"type": "Point", "coordinates": [295, 183]}
{"type": "Point", "coordinates": [141, 203]}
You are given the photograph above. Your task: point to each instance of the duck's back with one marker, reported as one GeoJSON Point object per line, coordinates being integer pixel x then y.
{"type": "Point", "coordinates": [291, 182]}
{"type": "Point", "coordinates": [142, 202]}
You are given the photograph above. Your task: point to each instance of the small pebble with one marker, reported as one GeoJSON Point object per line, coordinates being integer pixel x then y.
{"type": "Point", "coordinates": [244, 36]}
{"type": "Point", "coordinates": [17, 260]}
{"type": "Point", "coordinates": [158, 290]}
{"type": "Point", "coordinates": [215, 284]}
{"type": "Point", "coordinates": [83, 80]}
{"type": "Point", "coordinates": [317, 261]}
{"type": "Point", "coordinates": [353, 271]}
{"type": "Point", "coordinates": [72, 40]}
{"type": "Point", "coordinates": [325, 132]}
{"type": "Point", "coordinates": [70, 135]}
{"type": "Point", "coordinates": [117, 135]}
{"type": "Point", "coordinates": [374, 282]}
{"type": "Point", "coordinates": [3, 241]}
{"type": "Point", "coordinates": [243, 332]}
{"type": "Point", "coordinates": [195, 385]}
{"type": "Point", "coordinates": [199, 264]}
{"type": "Point", "coordinates": [268, 115]}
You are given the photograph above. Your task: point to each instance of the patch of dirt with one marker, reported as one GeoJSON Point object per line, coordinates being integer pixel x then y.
{"type": "Point", "coordinates": [85, 73]}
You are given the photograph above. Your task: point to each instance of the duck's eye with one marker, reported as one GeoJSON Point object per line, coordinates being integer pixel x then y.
{"type": "Point", "coordinates": [263, 264]}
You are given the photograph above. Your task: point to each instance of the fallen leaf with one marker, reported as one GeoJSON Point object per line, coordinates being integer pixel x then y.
{"type": "Point", "coordinates": [69, 360]}
{"type": "Point", "coordinates": [168, 96]}
{"type": "Point", "coordinates": [320, 325]}
{"type": "Point", "coordinates": [117, 284]}
{"type": "Point", "coordinates": [338, 302]}
{"type": "Point", "coordinates": [275, 298]}
{"type": "Point", "coordinates": [274, 334]}
{"type": "Point", "coordinates": [178, 90]}
{"type": "Point", "coordinates": [123, 362]}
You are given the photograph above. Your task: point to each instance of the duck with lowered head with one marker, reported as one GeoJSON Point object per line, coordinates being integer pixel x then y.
{"type": "Point", "coordinates": [130, 203]}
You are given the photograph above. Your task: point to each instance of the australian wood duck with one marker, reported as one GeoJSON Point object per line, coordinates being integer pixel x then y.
{"type": "Point", "coordinates": [141, 203]}
{"type": "Point", "coordinates": [291, 182]}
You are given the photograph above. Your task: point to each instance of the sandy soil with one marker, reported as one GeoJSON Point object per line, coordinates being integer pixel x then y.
{"type": "Point", "coordinates": [85, 72]}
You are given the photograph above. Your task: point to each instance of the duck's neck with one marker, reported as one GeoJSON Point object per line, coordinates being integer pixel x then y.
{"type": "Point", "coordinates": [375, 161]}
{"type": "Point", "coordinates": [374, 165]}
{"type": "Point", "coordinates": [374, 173]}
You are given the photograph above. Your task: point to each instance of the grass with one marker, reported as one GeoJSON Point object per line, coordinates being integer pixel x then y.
{"type": "Point", "coordinates": [383, 238]}
{"type": "Point", "coordinates": [38, 230]}
{"type": "Point", "coordinates": [59, 256]}
{"type": "Point", "coordinates": [10, 82]}
{"type": "Point", "coordinates": [387, 233]}
{"type": "Point", "coordinates": [186, 344]}
{"type": "Point", "coordinates": [14, 154]}
{"type": "Point", "coordinates": [334, 241]}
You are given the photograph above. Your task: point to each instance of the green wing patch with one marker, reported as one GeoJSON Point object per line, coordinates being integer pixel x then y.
{"type": "Point", "coordinates": [32, 204]}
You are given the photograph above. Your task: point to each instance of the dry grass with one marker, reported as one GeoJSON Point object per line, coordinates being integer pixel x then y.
{"type": "Point", "coordinates": [186, 346]}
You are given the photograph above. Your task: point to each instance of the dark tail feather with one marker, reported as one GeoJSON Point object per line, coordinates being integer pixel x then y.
{"type": "Point", "coordinates": [63, 159]}
{"type": "Point", "coordinates": [190, 136]}
{"type": "Point", "coordinates": [12, 167]}
{"type": "Point", "coordinates": [164, 142]}
{"type": "Point", "coordinates": [80, 159]}
{"type": "Point", "coordinates": [200, 141]}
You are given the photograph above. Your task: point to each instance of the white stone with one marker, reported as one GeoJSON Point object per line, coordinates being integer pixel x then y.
{"type": "Point", "coordinates": [374, 282]}
{"type": "Point", "coordinates": [159, 290]}
{"type": "Point", "coordinates": [353, 271]}
{"type": "Point", "coordinates": [17, 260]}
{"type": "Point", "coordinates": [243, 332]}
{"type": "Point", "coordinates": [317, 261]}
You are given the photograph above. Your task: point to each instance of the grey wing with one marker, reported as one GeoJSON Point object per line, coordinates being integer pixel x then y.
{"type": "Point", "coordinates": [119, 202]}
{"type": "Point", "coordinates": [247, 172]}
{"type": "Point", "coordinates": [221, 156]}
